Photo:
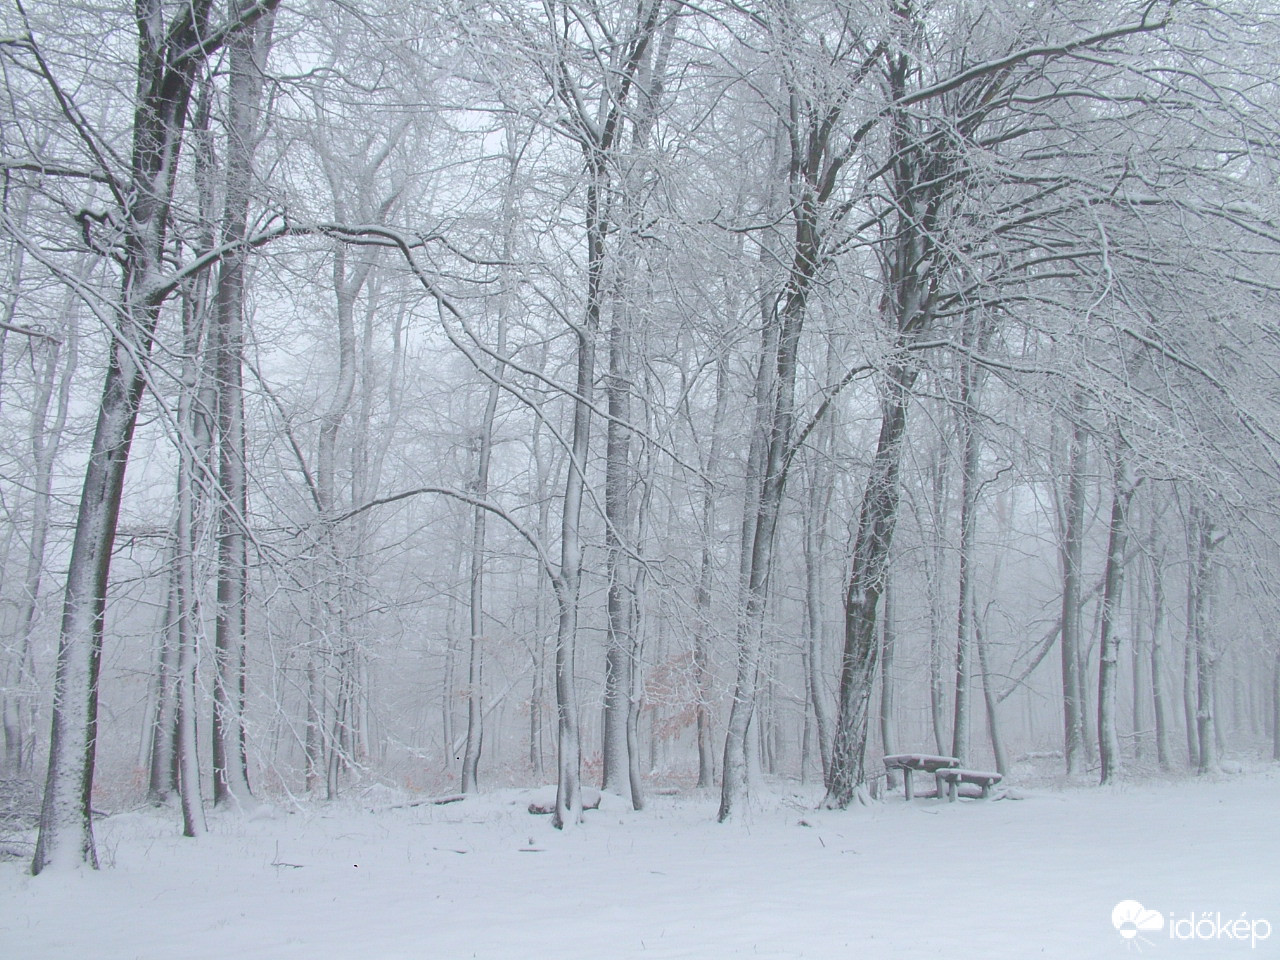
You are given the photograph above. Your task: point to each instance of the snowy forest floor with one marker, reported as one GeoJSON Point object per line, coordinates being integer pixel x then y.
{"type": "Point", "coordinates": [1034, 874]}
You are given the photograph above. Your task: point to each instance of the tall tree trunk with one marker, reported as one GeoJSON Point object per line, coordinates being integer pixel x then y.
{"type": "Point", "coordinates": [770, 452]}
{"type": "Point", "coordinates": [970, 452]}
{"type": "Point", "coordinates": [1159, 706]}
{"type": "Point", "coordinates": [1189, 679]}
{"type": "Point", "coordinates": [937, 681]}
{"type": "Point", "coordinates": [55, 371]}
{"type": "Point", "coordinates": [569, 763]}
{"type": "Point", "coordinates": [734, 767]}
{"type": "Point", "coordinates": [598, 135]}
{"type": "Point", "coordinates": [476, 612]}
{"type": "Point", "coordinates": [1109, 644]}
{"type": "Point", "coordinates": [621, 638]}
{"type": "Point", "coordinates": [161, 729]}
{"type": "Point", "coordinates": [1073, 510]}
{"type": "Point", "coordinates": [876, 520]}
{"type": "Point", "coordinates": [569, 760]}
{"type": "Point", "coordinates": [992, 701]}
{"type": "Point", "coordinates": [543, 470]}
{"type": "Point", "coordinates": [635, 652]}
{"type": "Point", "coordinates": [818, 503]}
{"type": "Point", "coordinates": [1203, 543]}
{"type": "Point", "coordinates": [706, 576]}
{"type": "Point", "coordinates": [888, 680]}
{"type": "Point", "coordinates": [484, 454]}
{"type": "Point", "coordinates": [247, 53]}
{"type": "Point", "coordinates": [909, 283]}
{"type": "Point", "coordinates": [814, 662]}
{"type": "Point", "coordinates": [1275, 710]}
{"type": "Point", "coordinates": [168, 59]}
{"type": "Point", "coordinates": [773, 432]}
{"type": "Point", "coordinates": [617, 508]}
{"type": "Point", "coordinates": [191, 470]}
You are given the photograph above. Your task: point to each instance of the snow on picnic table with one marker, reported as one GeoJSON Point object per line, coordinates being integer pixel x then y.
{"type": "Point", "coordinates": [1034, 877]}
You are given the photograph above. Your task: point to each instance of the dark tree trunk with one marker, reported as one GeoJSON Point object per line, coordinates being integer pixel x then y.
{"type": "Point", "coordinates": [874, 537]}
{"type": "Point", "coordinates": [1109, 655]}
{"type": "Point", "coordinates": [168, 59]}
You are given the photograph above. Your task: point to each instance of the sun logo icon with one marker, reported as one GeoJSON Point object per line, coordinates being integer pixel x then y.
{"type": "Point", "coordinates": [1131, 919]}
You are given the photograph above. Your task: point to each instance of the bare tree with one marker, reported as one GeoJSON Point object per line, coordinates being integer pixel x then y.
{"type": "Point", "coordinates": [170, 53]}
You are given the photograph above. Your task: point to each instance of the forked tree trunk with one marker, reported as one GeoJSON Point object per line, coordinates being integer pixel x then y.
{"type": "Point", "coordinates": [909, 279]}
{"type": "Point", "coordinates": [597, 131]}
{"type": "Point", "coordinates": [734, 767]}
{"type": "Point", "coordinates": [168, 60]}
{"type": "Point", "coordinates": [777, 426]}
{"type": "Point", "coordinates": [621, 769]}
{"type": "Point", "coordinates": [247, 52]}
{"type": "Point", "coordinates": [772, 429]}
{"type": "Point", "coordinates": [569, 760]}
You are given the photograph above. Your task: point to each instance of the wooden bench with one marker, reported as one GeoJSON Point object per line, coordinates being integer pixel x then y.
{"type": "Point", "coordinates": [954, 776]}
{"type": "Point", "coordinates": [909, 763]}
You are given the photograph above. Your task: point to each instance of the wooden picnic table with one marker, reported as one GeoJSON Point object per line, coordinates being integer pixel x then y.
{"type": "Point", "coordinates": [954, 776]}
{"type": "Point", "coordinates": [909, 763]}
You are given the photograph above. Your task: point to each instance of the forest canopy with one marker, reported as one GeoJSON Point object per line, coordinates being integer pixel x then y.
{"type": "Point", "coordinates": [484, 392]}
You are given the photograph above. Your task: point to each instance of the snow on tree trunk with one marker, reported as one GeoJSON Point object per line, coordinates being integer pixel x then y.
{"type": "Point", "coordinates": [1109, 662]}
{"type": "Point", "coordinates": [970, 451]}
{"type": "Point", "coordinates": [1073, 510]}
{"type": "Point", "coordinates": [247, 55]}
{"type": "Point", "coordinates": [1202, 542]}
{"type": "Point", "coordinates": [169, 57]}
{"type": "Point", "coordinates": [1159, 703]}
{"type": "Point", "coordinates": [618, 486]}
{"type": "Point", "coordinates": [877, 517]}
{"type": "Point", "coordinates": [1275, 710]}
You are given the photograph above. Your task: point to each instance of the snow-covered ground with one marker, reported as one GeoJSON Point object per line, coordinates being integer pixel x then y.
{"type": "Point", "coordinates": [1036, 876]}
